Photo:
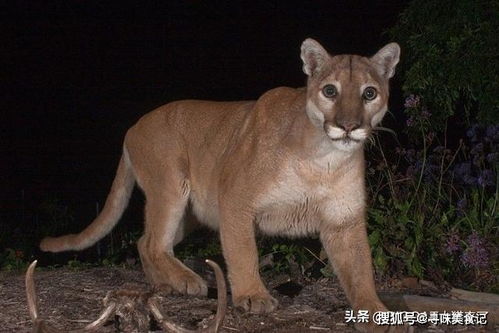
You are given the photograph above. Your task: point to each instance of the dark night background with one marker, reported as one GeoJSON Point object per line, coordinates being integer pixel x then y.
{"type": "Point", "coordinates": [77, 74]}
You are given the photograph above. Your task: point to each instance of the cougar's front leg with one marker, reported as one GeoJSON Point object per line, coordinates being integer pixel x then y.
{"type": "Point", "coordinates": [239, 248]}
{"type": "Point", "coordinates": [348, 249]}
{"type": "Point", "coordinates": [163, 215]}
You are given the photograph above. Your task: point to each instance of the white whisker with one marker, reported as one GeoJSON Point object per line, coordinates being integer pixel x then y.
{"type": "Point", "coordinates": [335, 133]}
{"type": "Point", "coordinates": [359, 134]}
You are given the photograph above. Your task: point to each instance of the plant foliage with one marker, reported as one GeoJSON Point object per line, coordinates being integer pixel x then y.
{"type": "Point", "coordinates": [450, 57]}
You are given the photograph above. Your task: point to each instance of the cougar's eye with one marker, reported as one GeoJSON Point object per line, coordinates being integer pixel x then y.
{"type": "Point", "coordinates": [369, 93]}
{"type": "Point", "coordinates": [329, 91]}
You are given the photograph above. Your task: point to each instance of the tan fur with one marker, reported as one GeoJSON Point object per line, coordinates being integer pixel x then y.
{"type": "Point", "coordinates": [280, 165]}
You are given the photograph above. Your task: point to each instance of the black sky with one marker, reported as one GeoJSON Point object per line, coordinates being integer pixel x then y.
{"type": "Point", "coordinates": [77, 74]}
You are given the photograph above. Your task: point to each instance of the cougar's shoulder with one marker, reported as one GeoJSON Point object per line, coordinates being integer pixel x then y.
{"type": "Point", "coordinates": [278, 101]}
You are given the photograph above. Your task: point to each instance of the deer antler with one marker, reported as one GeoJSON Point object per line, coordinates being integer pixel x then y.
{"type": "Point", "coordinates": [41, 326]}
{"type": "Point", "coordinates": [113, 306]}
{"type": "Point", "coordinates": [215, 325]}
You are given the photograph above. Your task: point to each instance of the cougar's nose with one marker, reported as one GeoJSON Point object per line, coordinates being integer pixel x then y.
{"type": "Point", "coordinates": [348, 126]}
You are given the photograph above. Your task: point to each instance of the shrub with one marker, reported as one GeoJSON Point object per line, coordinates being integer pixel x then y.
{"type": "Point", "coordinates": [450, 58]}
{"type": "Point", "coordinates": [435, 209]}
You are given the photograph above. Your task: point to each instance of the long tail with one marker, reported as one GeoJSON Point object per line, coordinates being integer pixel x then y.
{"type": "Point", "coordinates": [116, 202]}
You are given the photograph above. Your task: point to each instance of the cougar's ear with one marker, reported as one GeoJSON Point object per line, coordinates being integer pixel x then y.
{"type": "Point", "coordinates": [386, 59]}
{"type": "Point", "coordinates": [313, 55]}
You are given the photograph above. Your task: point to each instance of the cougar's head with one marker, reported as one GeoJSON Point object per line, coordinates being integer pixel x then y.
{"type": "Point", "coordinates": [347, 95]}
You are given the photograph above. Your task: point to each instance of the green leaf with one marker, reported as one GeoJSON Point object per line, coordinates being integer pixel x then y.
{"type": "Point", "coordinates": [380, 261]}
{"type": "Point", "coordinates": [374, 238]}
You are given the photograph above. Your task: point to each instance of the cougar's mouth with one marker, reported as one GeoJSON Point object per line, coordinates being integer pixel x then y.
{"type": "Point", "coordinates": [338, 134]}
{"type": "Point", "coordinates": [346, 143]}
{"type": "Point", "coordinates": [346, 139]}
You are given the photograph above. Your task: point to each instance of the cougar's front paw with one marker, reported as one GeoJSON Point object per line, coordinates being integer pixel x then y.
{"type": "Point", "coordinates": [256, 303]}
{"type": "Point", "coordinates": [185, 282]}
{"type": "Point", "coordinates": [191, 284]}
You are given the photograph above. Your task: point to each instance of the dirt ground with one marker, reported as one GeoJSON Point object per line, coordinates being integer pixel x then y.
{"type": "Point", "coordinates": [72, 298]}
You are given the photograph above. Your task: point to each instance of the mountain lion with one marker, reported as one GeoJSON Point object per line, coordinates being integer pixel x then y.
{"type": "Point", "coordinates": [290, 163]}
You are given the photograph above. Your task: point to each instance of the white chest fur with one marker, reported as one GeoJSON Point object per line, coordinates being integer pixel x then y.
{"type": "Point", "coordinates": [308, 193]}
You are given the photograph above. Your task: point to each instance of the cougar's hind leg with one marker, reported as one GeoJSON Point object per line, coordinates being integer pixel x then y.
{"type": "Point", "coordinates": [163, 215]}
